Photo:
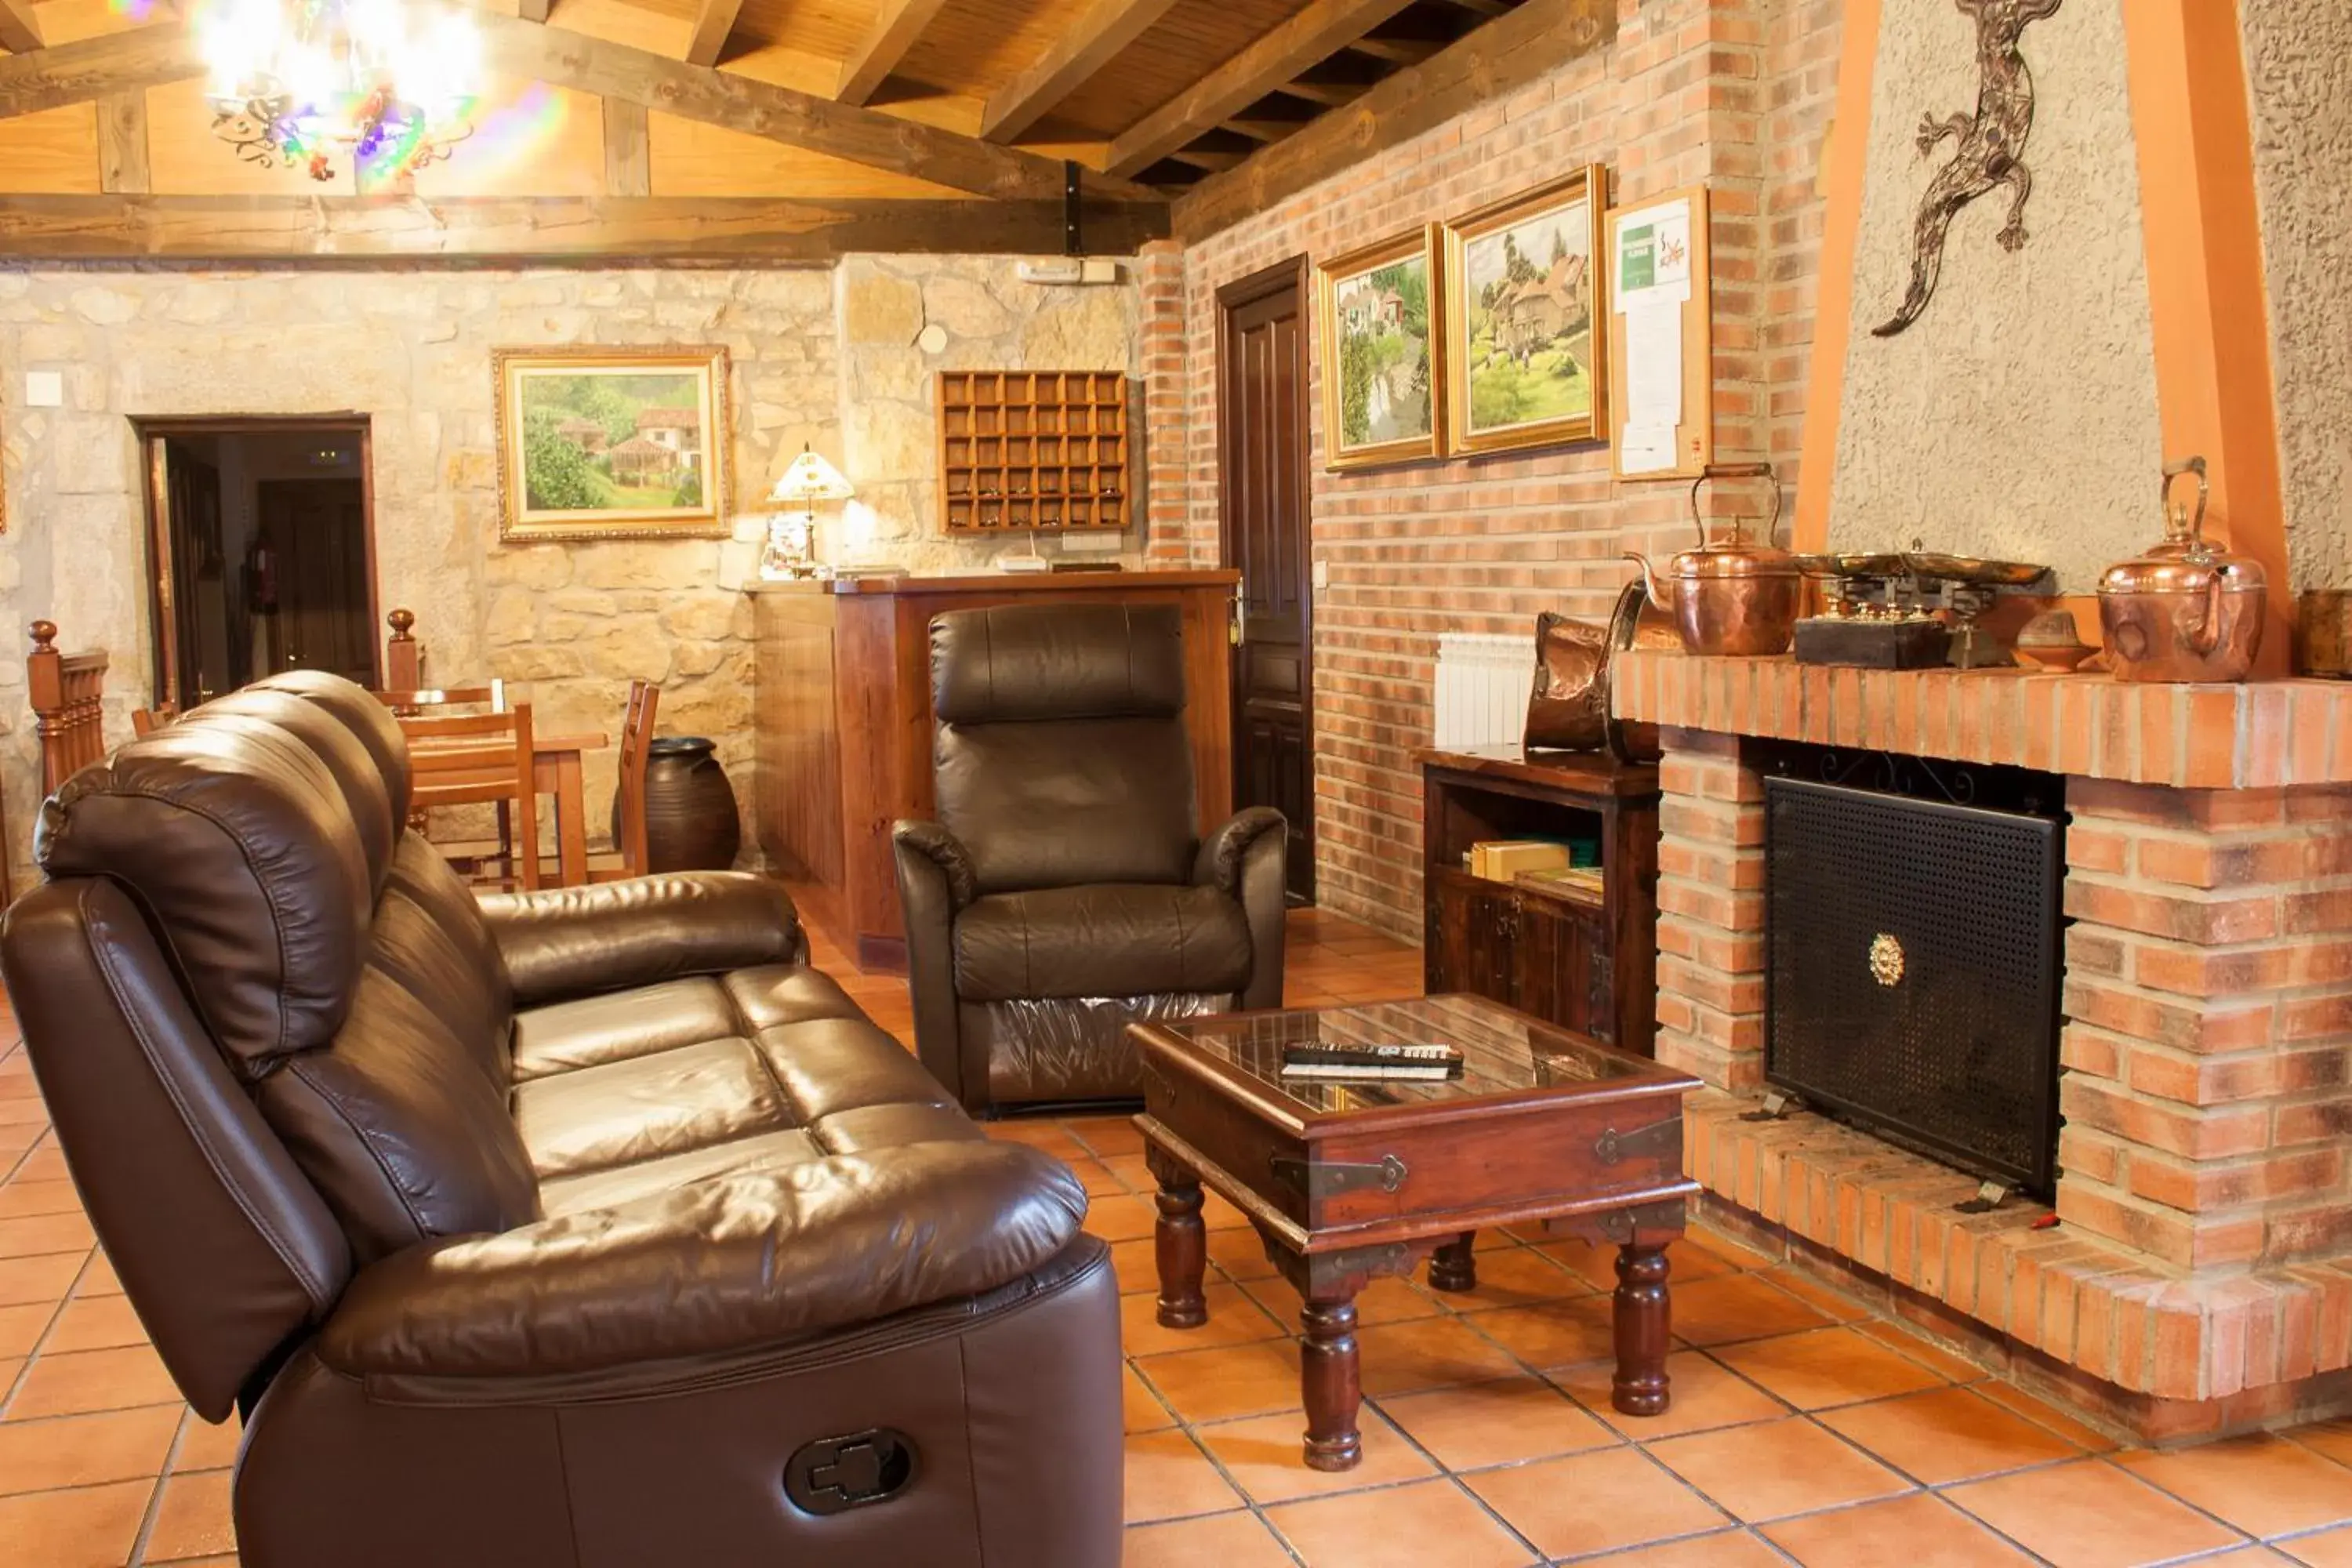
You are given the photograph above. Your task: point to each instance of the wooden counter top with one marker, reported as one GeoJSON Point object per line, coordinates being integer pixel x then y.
{"type": "Point", "coordinates": [999, 581]}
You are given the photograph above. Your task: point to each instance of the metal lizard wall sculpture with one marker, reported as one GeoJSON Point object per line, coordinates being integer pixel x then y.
{"type": "Point", "coordinates": [1991, 147]}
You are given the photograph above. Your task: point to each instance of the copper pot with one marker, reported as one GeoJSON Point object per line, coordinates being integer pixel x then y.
{"type": "Point", "coordinates": [1637, 622]}
{"type": "Point", "coordinates": [1569, 709]}
{"type": "Point", "coordinates": [1727, 596]}
{"type": "Point", "coordinates": [2186, 610]}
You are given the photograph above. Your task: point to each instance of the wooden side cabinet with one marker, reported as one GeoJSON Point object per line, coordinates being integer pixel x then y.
{"type": "Point", "coordinates": [1587, 966]}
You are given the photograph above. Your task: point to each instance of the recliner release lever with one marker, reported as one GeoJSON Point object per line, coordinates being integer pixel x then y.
{"type": "Point", "coordinates": [832, 1475]}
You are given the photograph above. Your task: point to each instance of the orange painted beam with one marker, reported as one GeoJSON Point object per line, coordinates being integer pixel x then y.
{"type": "Point", "coordinates": [1845, 159]}
{"type": "Point", "coordinates": [2207, 293]}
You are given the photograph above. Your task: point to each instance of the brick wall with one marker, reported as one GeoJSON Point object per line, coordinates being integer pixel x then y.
{"type": "Point", "coordinates": [1734, 93]}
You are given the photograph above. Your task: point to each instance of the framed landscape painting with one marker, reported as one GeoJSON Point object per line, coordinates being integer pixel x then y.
{"type": "Point", "coordinates": [1526, 319]}
{"type": "Point", "coordinates": [1376, 314]}
{"type": "Point", "coordinates": [612, 443]}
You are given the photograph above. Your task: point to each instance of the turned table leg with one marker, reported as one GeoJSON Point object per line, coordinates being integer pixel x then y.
{"type": "Point", "coordinates": [1642, 1318]}
{"type": "Point", "coordinates": [1331, 1381]}
{"type": "Point", "coordinates": [1453, 1267]}
{"type": "Point", "coordinates": [1180, 1243]}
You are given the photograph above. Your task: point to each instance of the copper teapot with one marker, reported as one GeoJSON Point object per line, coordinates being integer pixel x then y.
{"type": "Point", "coordinates": [1727, 597]}
{"type": "Point", "coordinates": [2187, 609]}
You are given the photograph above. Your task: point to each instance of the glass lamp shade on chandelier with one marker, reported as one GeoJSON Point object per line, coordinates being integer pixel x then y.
{"type": "Point", "coordinates": [790, 552]}
{"type": "Point", "coordinates": [300, 84]}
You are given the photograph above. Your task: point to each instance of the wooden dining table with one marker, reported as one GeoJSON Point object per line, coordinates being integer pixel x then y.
{"type": "Point", "coordinates": [555, 766]}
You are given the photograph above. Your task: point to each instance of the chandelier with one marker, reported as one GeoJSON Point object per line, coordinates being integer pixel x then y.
{"type": "Point", "coordinates": [295, 83]}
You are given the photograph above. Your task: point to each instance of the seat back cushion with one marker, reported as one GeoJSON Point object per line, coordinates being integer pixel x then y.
{"type": "Point", "coordinates": [1061, 756]}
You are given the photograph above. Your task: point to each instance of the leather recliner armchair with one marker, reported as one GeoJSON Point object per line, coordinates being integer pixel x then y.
{"type": "Point", "coordinates": [1063, 893]}
{"type": "Point", "coordinates": [588, 1228]}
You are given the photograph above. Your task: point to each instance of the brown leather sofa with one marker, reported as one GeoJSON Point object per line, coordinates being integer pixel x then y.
{"type": "Point", "coordinates": [1062, 893]}
{"type": "Point", "coordinates": [588, 1227]}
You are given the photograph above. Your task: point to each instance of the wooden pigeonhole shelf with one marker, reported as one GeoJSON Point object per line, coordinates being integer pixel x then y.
{"type": "Point", "coordinates": [1032, 449]}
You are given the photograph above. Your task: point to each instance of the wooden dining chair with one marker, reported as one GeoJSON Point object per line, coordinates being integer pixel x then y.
{"type": "Point", "coordinates": [480, 759]}
{"type": "Point", "coordinates": [147, 720]}
{"type": "Point", "coordinates": [419, 701]}
{"type": "Point", "coordinates": [627, 858]}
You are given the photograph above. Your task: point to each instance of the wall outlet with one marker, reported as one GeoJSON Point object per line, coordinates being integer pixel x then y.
{"type": "Point", "coordinates": [1319, 574]}
{"type": "Point", "coordinates": [45, 389]}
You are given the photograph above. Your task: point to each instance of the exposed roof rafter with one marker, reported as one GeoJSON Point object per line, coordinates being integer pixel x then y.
{"type": "Point", "coordinates": [714, 24]}
{"type": "Point", "coordinates": [886, 44]}
{"type": "Point", "coordinates": [532, 10]}
{"type": "Point", "coordinates": [1102, 28]}
{"type": "Point", "coordinates": [20, 33]}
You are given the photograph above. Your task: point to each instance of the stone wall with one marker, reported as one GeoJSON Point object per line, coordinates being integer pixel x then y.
{"type": "Point", "coordinates": [825, 356]}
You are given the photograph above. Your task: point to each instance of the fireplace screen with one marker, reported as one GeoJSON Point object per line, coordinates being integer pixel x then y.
{"type": "Point", "coordinates": [1911, 986]}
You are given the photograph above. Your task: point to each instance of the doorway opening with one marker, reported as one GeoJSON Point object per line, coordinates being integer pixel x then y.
{"type": "Point", "coordinates": [1262, 486]}
{"type": "Point", "coordinates": [261, 551]}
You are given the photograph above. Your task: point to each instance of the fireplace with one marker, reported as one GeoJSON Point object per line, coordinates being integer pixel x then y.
{"type": "Point", "coordinates": [1911, 930]}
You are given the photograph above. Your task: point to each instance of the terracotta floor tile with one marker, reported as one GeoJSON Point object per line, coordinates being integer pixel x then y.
{"type": "Point", "coordinates": [2327, 1548]}
{"type": "Point", "coordinates": [85, 1451]}
{"type": "Point", "coordinates": [1515, 1277]}
{"type": "Point", "coordinates": [1738, 1307]}
{"type": "Point", "coordinates": [1105, 1135]}
{"type": "Point", "coordinates": [93, 1380]}
{"type": "Point", "coordinates": [1554, 1334]}
{"type": "Point", "coordinates": [1594, 1502]}
{"type": "Point", "coordinates": [1383, 1301]}
{"type": "Point", "coordinates": [2263, 1484]}
{"type": "Point", "coordinates": [99, 1279]}
{"type": "Point", "coordinates": [1957, 1368]}
{"type": "Point", "coordinates": [1771, 1472]}
{"type": "Point", "coordinates": [1826, 1367]}
{"type": "Point", "coordinates": [1218, 1214]}
{"type": "Point", "coordinates": [46, 1233]}
{"type": "Point", "coordinates": [2248, 1557]}
{"type": "Point", "coordinates": [19, 1199]}
{"type": "Point", "coordinates": [1732, 1254]}
{"type": "Point", "coordinates": [1825, 1298]}
{"type": "Point", "coordinates": [1430, 1524]}
{"type": "Point", "coordinates": [1133, 1262]}
{"type": "Point", "coordinates": [2333, 1438]}
{"type": "Point", "coordinates": [1132, 1173]}
{"type": "Point", "coordinates": [1919, 1531]}
{"type": "Point", "coordinates": [1950, 1435]}
{"type": "Point", "coordinates": [1121, 1218]}
{"type": "Point", "coordinates": [1096, 1177]}
{"type": "Point", "coordinates": [193, 1519]}
{"type": "Point", "coordinates": [1431, 1353]}
{"type": "Point", "coordinates": [95, 1322]}
{"type": "Point", "coordinates": [85, 1527]}
{"type": "Point", "coordinates": [1703, 1396]}
{"type": "Point", "coordinates": [1220, 1384]}
{"type": "Point", "coordinates": [24, 1280]}
{"type": "Point", "coordinates": [21, 1327]}
{"type": "Point", "coordinates": [1724, 1548]}
{"type": "Point", "coordinates": [1262, 1456]}
{"type": "Point", "coordinates": [1497, 1422]}
{"type": "Point", "coordinates": [1140, 1409]}
{"type": "Point", "coordinates": [2089, 1514]}
{"type": "Point", "coordinates": [1168, 1476]}
{"type": "Point", "coordinates": [1233, 1320]}
{"type": "Point", "coordinates": [1239, 1254]}
{"type": "Point", "coordinates": [1223, 1541]}
{"type": "Point", "coordinates": [205, 1447]}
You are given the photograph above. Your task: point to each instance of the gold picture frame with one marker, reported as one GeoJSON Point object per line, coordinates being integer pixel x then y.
{"type": "Point", "coordinates": [1379, 379]}
{"type": "Point", "coordinates": [629, 443]}
{"type": "Point", "coordinates": [1523, 283]}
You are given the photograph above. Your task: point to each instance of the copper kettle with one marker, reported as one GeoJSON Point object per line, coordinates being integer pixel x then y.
{"type": "Point", "coordinates": [2187, 609]}
{"type": "Point", "coordinates": [1727, 596]}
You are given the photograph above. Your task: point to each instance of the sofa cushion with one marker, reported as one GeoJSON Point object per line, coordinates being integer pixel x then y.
{"type": "Point", "coordinates": [1112, 940]}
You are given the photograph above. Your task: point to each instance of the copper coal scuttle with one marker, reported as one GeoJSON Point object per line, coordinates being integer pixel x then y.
{"type": "Point", "coordinates": [2188, 609]}
{"type": "Point", "coordinates": [1728, 596]}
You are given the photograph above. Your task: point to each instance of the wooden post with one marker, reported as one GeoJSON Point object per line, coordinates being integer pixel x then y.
{"type": "Point", "coordinates": [68, 693]}
{"type": "Point", "coordinates": [403, 659]}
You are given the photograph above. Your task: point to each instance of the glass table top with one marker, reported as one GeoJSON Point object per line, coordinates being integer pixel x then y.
{"type": "Point", "coordinates": [1503, 1052]}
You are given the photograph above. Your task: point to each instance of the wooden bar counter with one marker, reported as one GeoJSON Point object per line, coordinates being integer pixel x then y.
{"type": "Point", "coordinates": [843, 717]}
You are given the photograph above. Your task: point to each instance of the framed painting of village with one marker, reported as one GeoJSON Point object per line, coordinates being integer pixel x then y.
{"type": "Point", "coordinates": [1376, 311]}
{"type": "Point", "coordinates": [600, 442]}
{"type": "Point", "coordinates": [1524, 344]}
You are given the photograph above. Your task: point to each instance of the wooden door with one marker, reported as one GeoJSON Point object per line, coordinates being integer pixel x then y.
{"type": "Point", "coordinates": [188, 547]}
{"type": "Point", "coordinates": [1262, 463]}
{"type": "Point", "coordinates": [318, 530]}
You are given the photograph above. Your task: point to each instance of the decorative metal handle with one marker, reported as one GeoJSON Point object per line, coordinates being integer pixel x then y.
{"type": "Point", "coordinates": [1735, 471]}
{"type": "Point", "coordinates": [2204, 493]}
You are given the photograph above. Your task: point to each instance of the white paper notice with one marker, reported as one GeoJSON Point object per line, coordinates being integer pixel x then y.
{"type": "Point", "coordinates": [1654, 363]}
{"type": "Point", "coordinates": [1646, 449]}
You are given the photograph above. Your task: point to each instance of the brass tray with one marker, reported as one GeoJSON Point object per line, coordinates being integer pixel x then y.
{"type": "Point", "coordinates": [1927, 565]}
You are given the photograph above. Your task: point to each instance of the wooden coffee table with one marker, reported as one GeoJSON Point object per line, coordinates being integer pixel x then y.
{"type": "Point", "coordinates": [1348, 1183]}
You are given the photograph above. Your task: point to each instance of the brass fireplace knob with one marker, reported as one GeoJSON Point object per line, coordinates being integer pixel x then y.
{"type": "Point", "coordinates": [1886, 959]}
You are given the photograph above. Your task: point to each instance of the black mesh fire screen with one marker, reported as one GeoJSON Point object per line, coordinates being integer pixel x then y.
{"type": "Point", "coordinates": [1912, 970]}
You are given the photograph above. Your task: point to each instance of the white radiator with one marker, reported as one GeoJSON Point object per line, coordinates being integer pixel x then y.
{"type": "Point", "coordinates": [1483, 683]}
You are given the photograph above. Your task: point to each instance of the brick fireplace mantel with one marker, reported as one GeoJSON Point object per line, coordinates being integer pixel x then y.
{"type": "Point", "coordinates": [2200, 1274]}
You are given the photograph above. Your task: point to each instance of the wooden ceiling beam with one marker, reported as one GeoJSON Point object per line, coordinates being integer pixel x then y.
{"type": "Point", "coordinates": [367, 230]}
{"type": "Point", "coordinates": [1397, 51]}
{"type": "Point", "coordinates": [714, 24]}
{"type": "Point", "coordinates": [1485, 10]}
{"type": "Point", "coordinates": [894, 32]}
{"type": "Point", "coordinates": [96, 68]}
{"type": "Point", "coordinates": [1101, 30]}
{"type": "Point", "coordinates": [532, 10]}
{"type": "Point", "coordinates": [1305, 40]}
{"type": "Point", "coordinates": [1497, 59]}
{"type": "Point", "coordinates": [20, 32]}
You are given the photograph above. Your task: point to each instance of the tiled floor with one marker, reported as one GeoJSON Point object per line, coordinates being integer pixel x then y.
{"type": "Point", "coordinates": [1803, 1430]}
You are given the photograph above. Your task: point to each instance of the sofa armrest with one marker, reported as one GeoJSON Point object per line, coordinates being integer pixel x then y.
{"type": "Point", "coordinates": [935, 882]}
{"type": "Point", "coordinates": [610, 936]}
{"type": "Point", "coordinates": [943, 849]}
{"type": "Point", "coordinates": [1218, 863]}
{"type": "Point", "coordinates": [711, 1268]}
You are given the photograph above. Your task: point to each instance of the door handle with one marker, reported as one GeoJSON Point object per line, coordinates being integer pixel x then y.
{"type": "Point", "coordinates": [1238, 627]}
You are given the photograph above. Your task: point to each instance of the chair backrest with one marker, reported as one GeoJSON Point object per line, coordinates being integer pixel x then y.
{"type": "Point", "coordinates": [270, 1026]}
{"type": "Point", "coordinates": [479, 758]}
{"type": "Point", "coordinates": [147, 720]}
{"type": "Point", "coordinates": [422, 700]}
{"type": "Point", "coordinates": [68, 693]}
{"type": "Point", "coordinates": [1061, 756]}
{"type": "Point", "coordinates": [629, 786]}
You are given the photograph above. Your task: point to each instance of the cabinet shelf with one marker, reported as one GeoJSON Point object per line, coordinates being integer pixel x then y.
{"type": "Point", "coordinates": [1032, 449]}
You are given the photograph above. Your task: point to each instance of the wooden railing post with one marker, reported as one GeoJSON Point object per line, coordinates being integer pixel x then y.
{"type": "Point", "coordinates": [403, 658]}
{"type": "Point", "coordinates": [68, 699]}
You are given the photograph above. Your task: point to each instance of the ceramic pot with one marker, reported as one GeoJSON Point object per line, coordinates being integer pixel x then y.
{"type": "Point", "coordinates": [691, 822]}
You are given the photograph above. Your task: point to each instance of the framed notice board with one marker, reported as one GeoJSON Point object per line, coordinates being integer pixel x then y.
{"type": "Point", "coordinates": [1661, 337]}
